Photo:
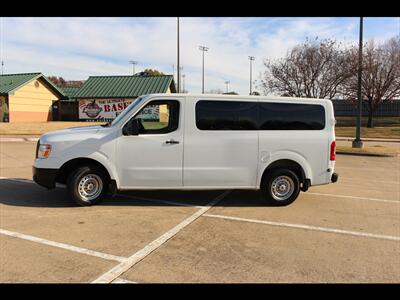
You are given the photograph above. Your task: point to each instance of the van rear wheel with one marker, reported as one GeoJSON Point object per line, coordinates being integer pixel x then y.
{"type": "Point", "coordinates": [87, 185]}
{"type": "Point", "coordinates": [281, 187]}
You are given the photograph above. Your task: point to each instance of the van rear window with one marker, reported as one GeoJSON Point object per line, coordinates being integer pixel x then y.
{"type": "Point", "coordinates": [287, 116]}
{"type": "Point", "coordinates": [243, 115]}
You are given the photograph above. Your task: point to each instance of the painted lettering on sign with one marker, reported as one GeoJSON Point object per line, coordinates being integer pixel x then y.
{"type": "Point", "coordinates": [102, 109]}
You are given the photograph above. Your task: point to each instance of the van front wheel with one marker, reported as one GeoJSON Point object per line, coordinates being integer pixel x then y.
{"type": "Point", "coordinates": [281, 187]}
{"type": "Point", "coordinates": [87, 185]}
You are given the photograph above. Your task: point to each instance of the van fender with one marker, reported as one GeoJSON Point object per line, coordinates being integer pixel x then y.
{"type": "Point", "coordinates": [286, 155]}
{"type": "Point", "coordinates": [105, 161]}
{"type": "Point", "coordinates": [98, 156]}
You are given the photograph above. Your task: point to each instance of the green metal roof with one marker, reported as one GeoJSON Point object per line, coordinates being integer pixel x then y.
{"type": "Point", "coordinates": [10, 82]}
{"type": "Point", "coordinates": [70, 91]}
{"type": "Point", "coordinates": [125, 86]}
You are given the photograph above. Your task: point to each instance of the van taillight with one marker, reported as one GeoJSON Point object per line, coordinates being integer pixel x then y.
{"type": "Point", "coordinates": [333, 150]}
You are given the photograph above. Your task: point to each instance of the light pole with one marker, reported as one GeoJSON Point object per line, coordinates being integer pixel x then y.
{"type": "Point", "coordinates": [178, 76]}
{"type": "Point", "coordinates": [203, 48]}
{"type": "Point", "coordinates": [227, 85]}
{"type": "Point", "coordinates": [134, 63]}
{"type": "Point", "coordinates": [183, 83]}
{"type": "Point", "coordinates": [251, 58]}
{"type": "Point", "coordinates": [2, 67]}
{"type": "Point", "coordinates": [357, 142]}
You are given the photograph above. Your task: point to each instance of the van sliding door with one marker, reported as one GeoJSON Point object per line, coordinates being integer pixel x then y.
{"type": "Point", "coordinates": [221, 144]}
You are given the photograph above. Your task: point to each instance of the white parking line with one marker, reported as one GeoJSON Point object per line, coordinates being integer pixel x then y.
{"type": "Point", "coordinates": [160, 201]}
{"type": "Point", "coordinates": [308, 227]}
{"type": "Point", "coordinates": [354, 197]}
{"type": "Point", "coordinates": [138, 256]}
{"type": "Point", "coordinates": [365, 180]}
{"type": "Point", "coordinates": [61, 245]}
{"type": "Point", "coordinates": [120, 280]}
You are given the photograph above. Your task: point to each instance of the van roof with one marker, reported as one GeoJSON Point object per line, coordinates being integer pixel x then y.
{"type": "Point", "coordinates": [242, 97]}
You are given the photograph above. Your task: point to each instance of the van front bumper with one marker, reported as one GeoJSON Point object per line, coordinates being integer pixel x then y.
{"type": "Point", "coordinates": [45, 177]}
{"type": "Point", "coordinates": [335, 177]}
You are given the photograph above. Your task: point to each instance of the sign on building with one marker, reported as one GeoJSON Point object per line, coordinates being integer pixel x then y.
{"type": "Point", "coordinates": [102, 109]}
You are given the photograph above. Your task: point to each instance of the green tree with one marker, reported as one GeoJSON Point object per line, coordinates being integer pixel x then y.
{"type": "Point", "coordinates": [152, 72]}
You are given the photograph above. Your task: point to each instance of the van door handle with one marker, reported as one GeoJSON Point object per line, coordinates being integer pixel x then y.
{"type": "Point", "coordinates": [172, 142]}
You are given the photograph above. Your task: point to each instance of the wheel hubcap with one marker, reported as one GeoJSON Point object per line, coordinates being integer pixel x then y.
{"type": "Point", "coordinates": [282, 188]}
{"type": "Point", "coordinates": [90, 187]}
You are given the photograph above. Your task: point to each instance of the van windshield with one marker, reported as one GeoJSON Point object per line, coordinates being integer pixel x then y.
{"type": "Point", "coordinates": [127, 111]}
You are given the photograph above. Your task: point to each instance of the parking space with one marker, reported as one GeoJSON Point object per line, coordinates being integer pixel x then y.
{"type": "Point", "coordinates": [323, 211]}
{"type": "Point", "coordinates": [343, 232]}
{"type": "Point", "coordinates": [26, 261]}
{"type": "Point", "coordinates": [217, 250]}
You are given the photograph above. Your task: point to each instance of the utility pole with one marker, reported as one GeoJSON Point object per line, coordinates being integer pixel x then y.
{"type": "Point", "coordinates": [251, 58]}
{"type": "Point", "coordinates": [178, 79]}
{"type": "Point", "coordinates": [357, 142]}
{"type": "Point", "coordinates": [173, 72]}
{"type": "Point", "coordinates": [227, 85]}
{"type": "Point", "coordinates": [1, 46]}
{"type": "Point", "coordinates": [203, 48]}
{"type": "Point", "coordinates": [134, 63]}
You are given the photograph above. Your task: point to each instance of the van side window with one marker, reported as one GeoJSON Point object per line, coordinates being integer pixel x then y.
{"type": "Point", "coordinates": [226, 115]}
{"type": "Point", "coordinates": [287, 116]}
{"type": "Point", "coordinates": [159, 116]}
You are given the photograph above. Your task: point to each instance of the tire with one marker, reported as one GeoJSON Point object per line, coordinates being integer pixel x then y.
{"type": "Point", "coordinates": [280, 187]}
{"type": "Point", "coordinates": [87, 185]}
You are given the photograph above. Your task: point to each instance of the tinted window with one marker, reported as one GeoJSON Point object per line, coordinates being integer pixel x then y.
{"type": "Point", "coordinates": [226, 115]}
{"type": "Point", "coordinates": [159, 116]}
{"type": "Point", "coordinates": [287, 116]}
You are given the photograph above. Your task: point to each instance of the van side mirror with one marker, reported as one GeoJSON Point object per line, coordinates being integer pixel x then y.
{"type": "Point", "coordinates": [131, 128]}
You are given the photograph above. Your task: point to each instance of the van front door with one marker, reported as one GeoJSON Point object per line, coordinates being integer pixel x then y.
{"type": "Point", "coordinates": [153, 157]}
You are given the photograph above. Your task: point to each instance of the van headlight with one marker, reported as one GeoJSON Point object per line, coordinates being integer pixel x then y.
{"type": "Point", "coordinates": [44, 151]}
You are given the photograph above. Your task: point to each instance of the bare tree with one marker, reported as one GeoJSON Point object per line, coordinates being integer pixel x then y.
{"type": "Point", "coordinates": [313, 69]}
{"type": "Point", "coordinates": [380, 74]}
{"type": "Point", "coordinates": [59, 81]}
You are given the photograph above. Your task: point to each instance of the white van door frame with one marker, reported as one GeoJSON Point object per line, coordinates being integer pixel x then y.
{"type": "Point", "coordinates": [152, 161]}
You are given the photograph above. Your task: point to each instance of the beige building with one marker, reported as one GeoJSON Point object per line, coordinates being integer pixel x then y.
{"type": "Point", "coordinates": [27, 97]}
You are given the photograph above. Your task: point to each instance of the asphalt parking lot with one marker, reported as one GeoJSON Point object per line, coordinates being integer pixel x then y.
{"type": "Point", "coordinates": [344, 232]}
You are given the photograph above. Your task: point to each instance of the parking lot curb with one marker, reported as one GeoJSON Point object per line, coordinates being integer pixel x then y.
{"type": "Point", "coordinates": [19, 139]}
{"type": "Point", "coordinates": [368, 154]}
{"type": "Point", "coordinates": [350, 139]}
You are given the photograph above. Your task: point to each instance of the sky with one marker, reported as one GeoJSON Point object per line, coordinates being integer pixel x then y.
{"type": "Point", "coordinates": [76, 48]}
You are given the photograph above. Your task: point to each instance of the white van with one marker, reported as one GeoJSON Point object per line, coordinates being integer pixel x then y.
{"type": "Point", "coordinates": [195, 142]}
